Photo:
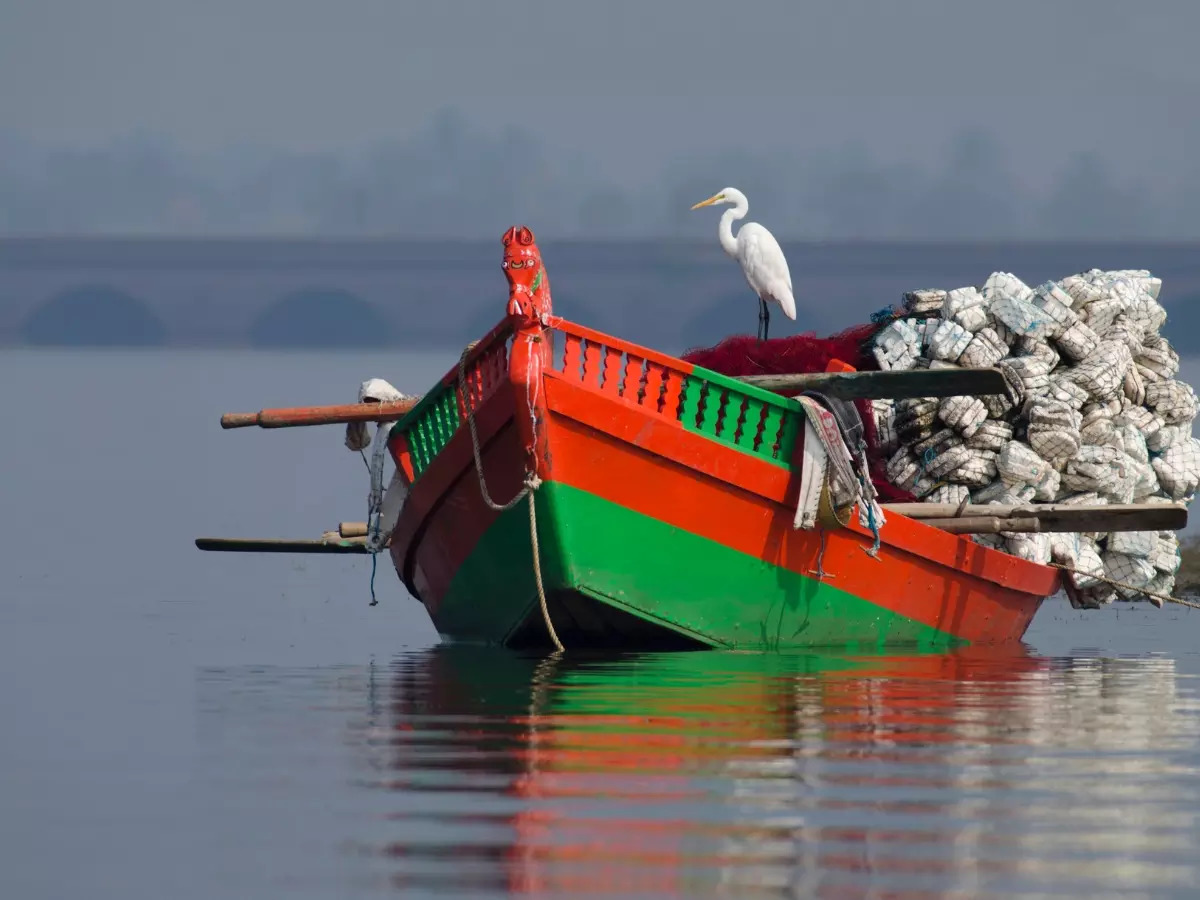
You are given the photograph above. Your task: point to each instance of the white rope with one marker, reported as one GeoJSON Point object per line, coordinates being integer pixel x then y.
{"type": "Point", "coordinates": [532, 483]}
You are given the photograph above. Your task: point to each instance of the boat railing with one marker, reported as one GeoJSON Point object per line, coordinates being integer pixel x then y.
{"type": "Point", "coordinates": [428, 428]}
{"type": "Point", "coordinates": [753, 420]}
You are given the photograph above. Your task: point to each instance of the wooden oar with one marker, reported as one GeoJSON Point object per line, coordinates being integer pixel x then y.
{"type": "Point", "coordinates": [872, 385]}
{"type": "Point", "coordinates": [1049, 517]}
{"type": "Point", "coordinates": [846, 385]}
{"type": "Point", "coordinates": [273, 545]}
{"type": "Point", "coordinates": [295, 416]}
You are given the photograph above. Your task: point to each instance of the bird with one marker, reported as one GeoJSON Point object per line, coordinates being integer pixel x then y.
{"type": "Point", "coordinates": [759, 254]}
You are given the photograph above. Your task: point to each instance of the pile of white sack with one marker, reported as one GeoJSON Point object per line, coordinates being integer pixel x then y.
{"type": "Point", "coordinates": [1100, 416]}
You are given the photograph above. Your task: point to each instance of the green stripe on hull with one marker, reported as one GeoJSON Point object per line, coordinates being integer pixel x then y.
{"type": "Point", "coordinates": [661, 574]}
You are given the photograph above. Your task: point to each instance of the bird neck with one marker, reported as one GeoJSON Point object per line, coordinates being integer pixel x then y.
{"type": "Point", "coordinates": [725, 229]}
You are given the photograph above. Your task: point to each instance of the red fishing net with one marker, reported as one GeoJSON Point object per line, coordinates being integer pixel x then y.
{"type": "Point", "coordinates": [800, 354]}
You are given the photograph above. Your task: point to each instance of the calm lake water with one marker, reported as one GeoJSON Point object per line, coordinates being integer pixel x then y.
{"type": "Point", "coordinates": [180, 724]}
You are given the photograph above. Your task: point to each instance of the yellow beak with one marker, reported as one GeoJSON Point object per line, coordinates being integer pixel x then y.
{"type": "Point", "coordinates": [715, 198]}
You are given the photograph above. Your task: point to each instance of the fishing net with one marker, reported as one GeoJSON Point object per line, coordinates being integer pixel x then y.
{"type": "Point", "coordinates": [806, 353]}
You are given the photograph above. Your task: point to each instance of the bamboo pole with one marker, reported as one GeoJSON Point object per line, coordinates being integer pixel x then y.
{"type": "Point", "coordinates": [1053, 517]}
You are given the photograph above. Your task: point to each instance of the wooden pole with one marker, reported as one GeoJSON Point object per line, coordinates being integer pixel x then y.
{"type": "Point", "coordinates": [846, 385]}
{"type": "Point", "coordinates": [297, 416]}
{"type": "Point", "coordinates": [989, 525]}
{"type": "Point", "coordinates": [1049, 517]}
{"type": "Point", "coordinates": [889, 385]}
{"type": "Point", "coordinates": [274, 545]}
{"type": "Point", "coordinates": [352, 529]}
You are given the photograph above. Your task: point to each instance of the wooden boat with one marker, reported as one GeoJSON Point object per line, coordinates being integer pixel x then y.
{"type": "Point", "coordinates": [663, 496]}
{"type": "Point", "coordinates": [569, 488]}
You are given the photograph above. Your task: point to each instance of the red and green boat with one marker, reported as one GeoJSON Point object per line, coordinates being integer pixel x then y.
{"type": "Point", "coordinates": [563, 487]}
{"type": "Point", "coordinates": [661, 497]}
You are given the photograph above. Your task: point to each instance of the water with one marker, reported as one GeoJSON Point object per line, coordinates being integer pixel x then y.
{"type": "Point", "coordinates": [180, 724]}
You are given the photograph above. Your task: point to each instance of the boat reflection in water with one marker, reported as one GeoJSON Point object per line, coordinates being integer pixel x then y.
{"type": "Point", "coordinates": [978, 772]}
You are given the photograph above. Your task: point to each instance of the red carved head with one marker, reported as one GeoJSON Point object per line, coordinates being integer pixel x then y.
{"type": "Point", "coordinates": [528, 284]}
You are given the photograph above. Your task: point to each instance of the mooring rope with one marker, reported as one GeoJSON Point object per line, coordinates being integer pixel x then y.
{"type": "Point", "coordinates": [532, 483]}
{"type": "Point", "coordinates": [1128, 587]}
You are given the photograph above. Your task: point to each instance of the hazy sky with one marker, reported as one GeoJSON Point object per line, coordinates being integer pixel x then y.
{"type": "Point", "coordinates": [630, 82]}
{"type": "Point", "coordinates": [623, 89]}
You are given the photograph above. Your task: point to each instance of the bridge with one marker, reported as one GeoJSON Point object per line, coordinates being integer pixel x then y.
{"type": "Point", "coordinates": [362, 293]}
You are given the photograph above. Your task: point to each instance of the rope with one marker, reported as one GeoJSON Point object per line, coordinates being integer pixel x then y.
{"type": "Point", "coordinates": [532, 483]}
{"type": "Point", "coordinates": [462, 386]}
{"type": "Point", "coordinates": [1129, 587]}
{"type": "Point", "coordinates": [537, 573]}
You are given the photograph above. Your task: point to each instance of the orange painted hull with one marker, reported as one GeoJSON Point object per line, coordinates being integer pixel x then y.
{"type": "Point", "coordinates": [662, 519]}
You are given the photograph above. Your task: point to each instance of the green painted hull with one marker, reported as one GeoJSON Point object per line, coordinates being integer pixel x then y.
{"type": "Point", "coordinates": [616, 577]}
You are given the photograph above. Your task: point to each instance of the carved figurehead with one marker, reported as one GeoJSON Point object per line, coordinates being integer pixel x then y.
{"type": "Point", "coordinates": [528, 284]}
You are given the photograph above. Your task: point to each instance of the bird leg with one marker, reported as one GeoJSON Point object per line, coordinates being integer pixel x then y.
{"type": "Point", "coordinates": [764, 319]}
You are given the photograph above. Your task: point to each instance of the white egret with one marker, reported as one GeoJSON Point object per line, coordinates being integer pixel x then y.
{"type": "Point", "coordinates": [759, 254]}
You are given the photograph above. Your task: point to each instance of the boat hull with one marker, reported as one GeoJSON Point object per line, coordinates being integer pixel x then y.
{"type": "Point", "coordinates": [649, 537]}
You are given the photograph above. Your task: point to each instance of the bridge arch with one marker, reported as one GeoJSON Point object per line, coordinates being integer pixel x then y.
{"type": "Point", "coordinates": [314, 318]}
{"type": "Point", "coordinates": [93, 316]}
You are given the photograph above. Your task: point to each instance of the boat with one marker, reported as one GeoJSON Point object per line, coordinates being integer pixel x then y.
{"type": "Point", "coordinates": [566, 488]}
{"type": "Point", "coordinates": [662, 497]}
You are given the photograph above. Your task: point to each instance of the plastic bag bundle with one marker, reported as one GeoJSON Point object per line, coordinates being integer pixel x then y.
{"type": "Point", "coordinates": [961, 299]}
{"type": "Point", "coordinates": [1178, 469]}
{"type": "Point", "coordinates": [1128, 570]}
{"type": "Point", "coordinates": [1055, 305]}
{"type": "Point", "coordinates": [1021, 317]}
{"type": "Point", "coordinates": [1101, 313]}
{"type": "Point", "coordinates": [1103, 372]}
{"type": "Point", "coordinates": [1033, 547]}
{"type": "Point", "coordinates": [1165, 555]}
{"type": "Point", "coordinates": [915, 418]}
{"type": "Point", "coordinates": [949, 493]}
{"type": "Point", "coordinates": [1156, 359]}
{"type": "Point", "coordinates": [1172, 401]}
{"type": "Point", "coordinates": [1019, 465]}
{"type": "Point", "coordinates": [1048, 486]}
{"type": "Point", "coordinates": [938, 464]}
{"type": "Point", "coordinates": [972, 318]}
{"type": "Point", "coordinates": [924, 302]}
{"type": "Point", "coordinates": [903, 469]}
{"type": "Point", "coordinates": [985, 350]}
{"type": "Point", "coordinates": [977, 469]}
{"type": "Point", "coordinates": [1087, 564]}
{"type": "Point", "coordinates": [1077, 342]}
{"type": "Point", "coordinates": [1163, 438]}
{"type": "Point", "coordinates": [1063, 390]}
{"type": "Point", "coordinates": [1133, 543]}
{"type": "Point", "coordinates": [897, 346]}
{"type": "Point", "coordinates": [1124, 330]}
{"type": "Point", "coordinates": [884, 412]}
{"type": "Point", "coordinates": [991, 435]}
{"type": "Point", "coordinates": [1095, 414]}
{"type": "Point", "coordinates": [1042, 350]}
{"type": "Point", "coordinates": [1053, 432]}
{"type": "Point", "coordinates": [997, 493]}
{"type": "Point", "coordinates": [1001, 285]}
{"type": "Point", "coordinates": [1093, 468]}
{"type": "Point", "coordinates": [949, 341]}
{"type": "Point", "coordinates": [964, 414]}
{"type": "Point", "coordinates": [1064, 548]}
